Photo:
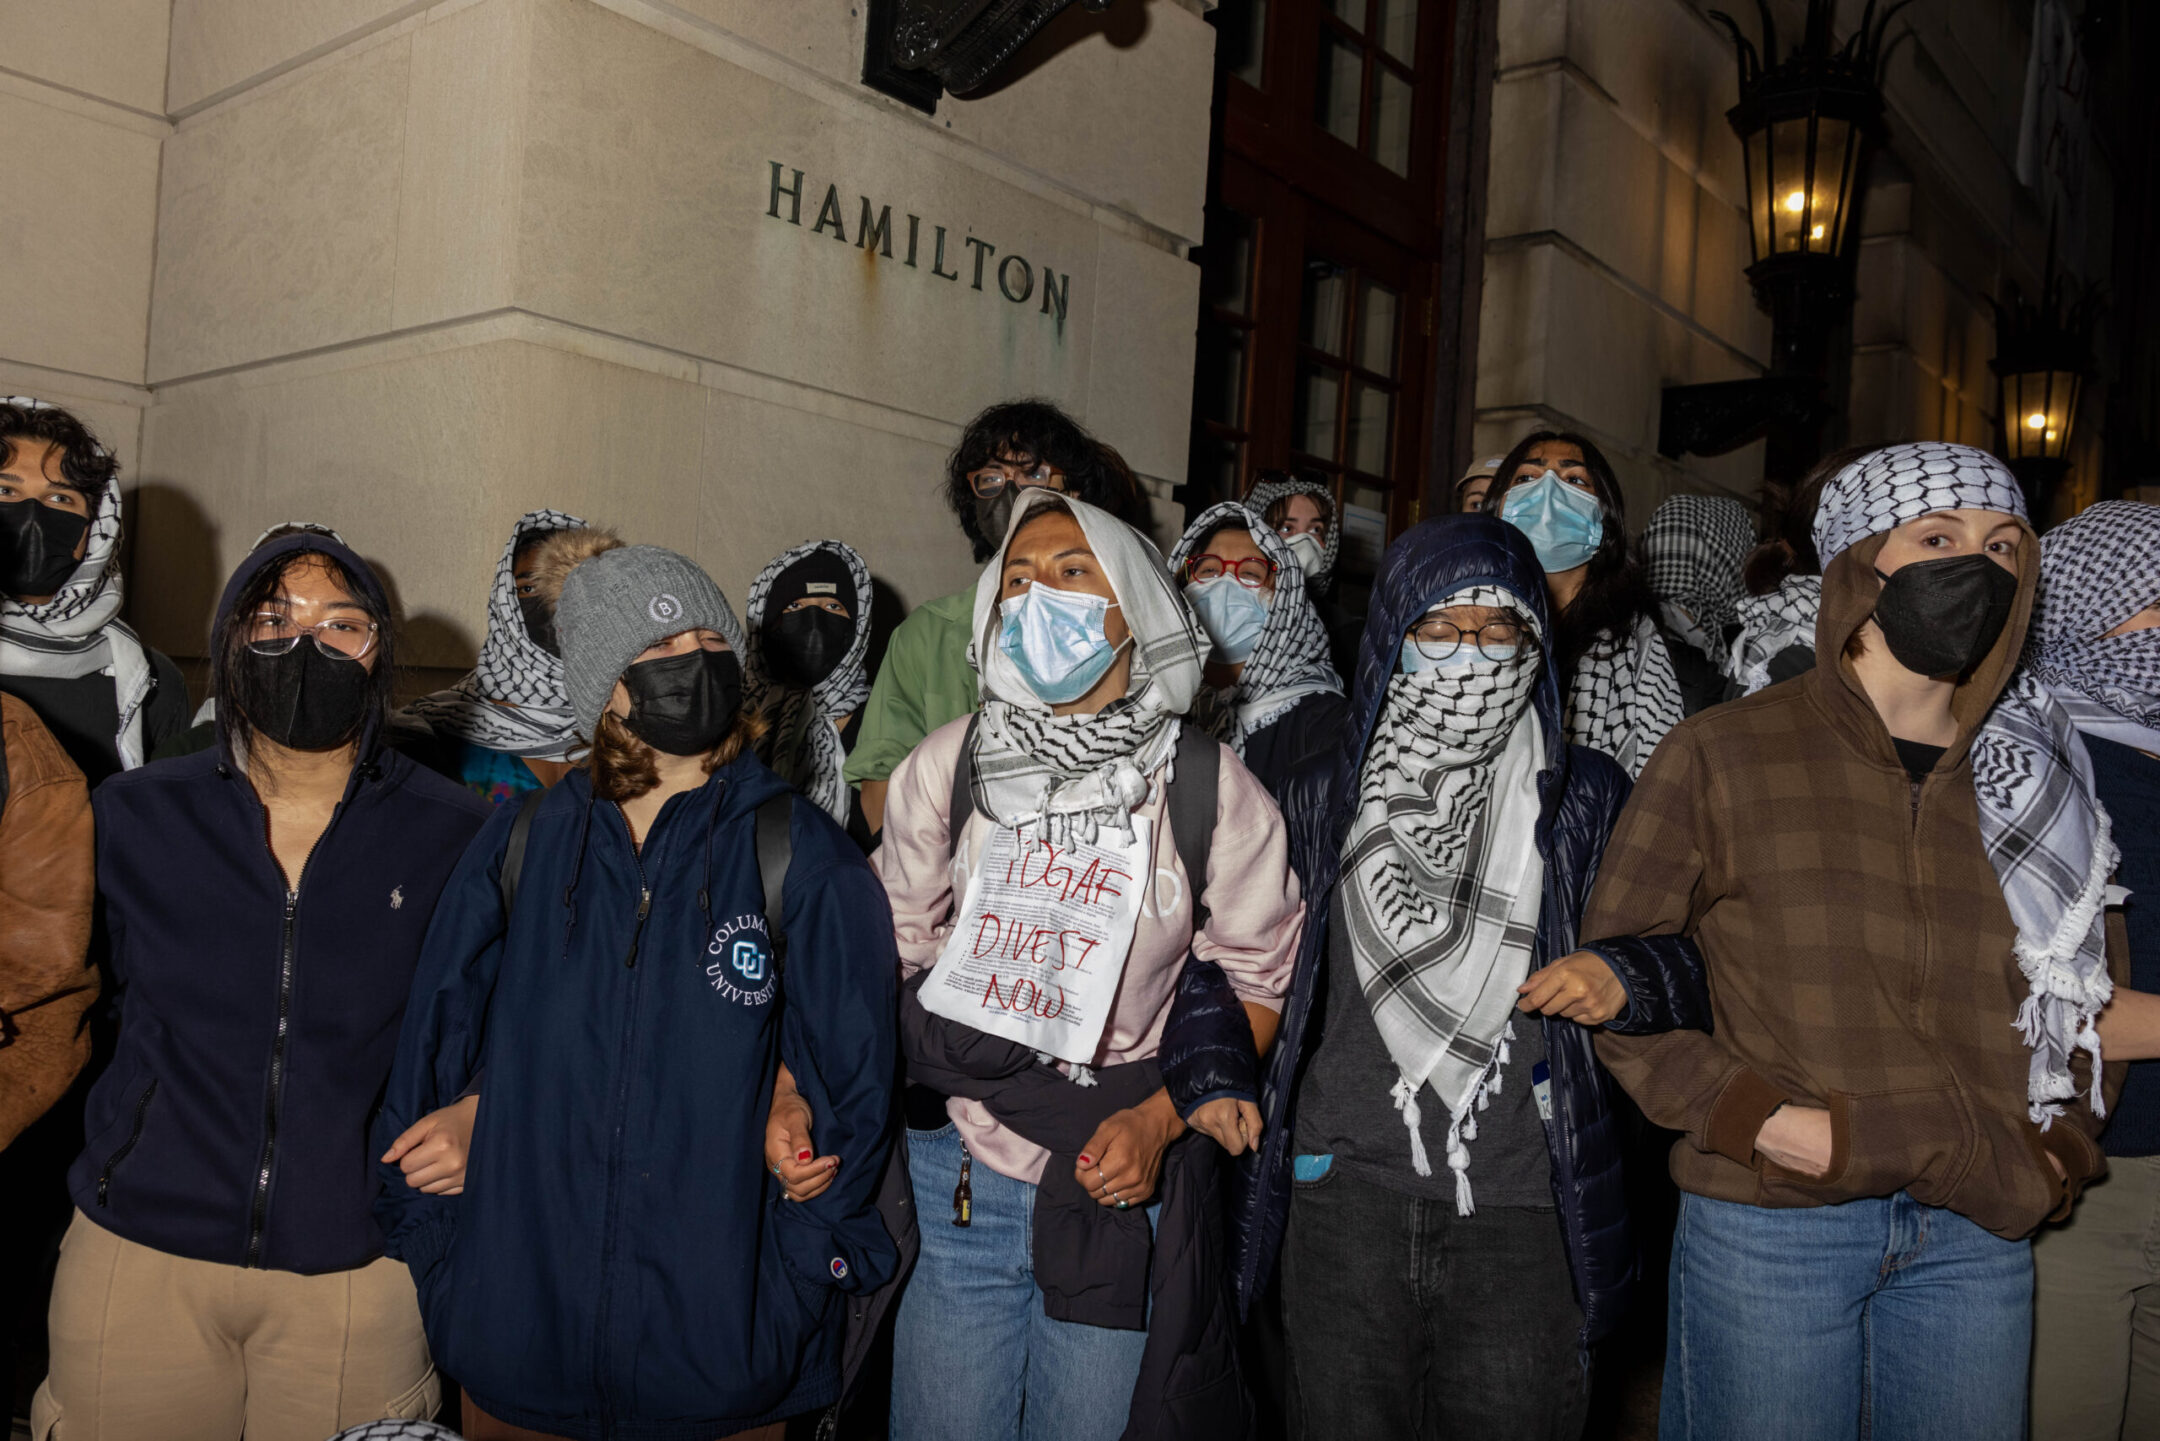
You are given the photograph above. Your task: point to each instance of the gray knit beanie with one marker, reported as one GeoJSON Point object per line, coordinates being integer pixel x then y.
{"type": "Point", "coordinates": [621, 601]}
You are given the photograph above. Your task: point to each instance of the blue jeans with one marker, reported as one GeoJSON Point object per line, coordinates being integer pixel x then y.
{"type": "Point", "coordinates": [974, 1357]}
{"type": "Point", "coordinates": [1883, 1319]}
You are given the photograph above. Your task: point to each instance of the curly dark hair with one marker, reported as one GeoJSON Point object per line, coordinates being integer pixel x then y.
{"type": "Point", "coordinates": [85, 465]}
{"type": "Point", "coordinates": [1028, 431]}
{"type": "Point", "coordinates": [237, 687]}
{"type": "Point", "coordinates": [1615, 592]}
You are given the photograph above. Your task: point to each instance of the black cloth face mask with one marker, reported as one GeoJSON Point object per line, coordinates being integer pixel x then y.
{"type": "Point", "coordinates": [684, 705]}
{"type": "Point", "coordinates": [305, 700]}
{"type": "Point", "coordinates": [539, 619]}
{"type": "Point", "coordinates": [803, 646]}
{"type": "Point", "coordinates": [40, 541]}
{"type": "Point", "coordinates": [1941, 617]}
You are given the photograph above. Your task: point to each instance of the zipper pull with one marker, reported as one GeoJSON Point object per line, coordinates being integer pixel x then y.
{"type": "Point", "coordinates": [644, 909]}
{"type": "Point", "coordinates": [963, 1199]}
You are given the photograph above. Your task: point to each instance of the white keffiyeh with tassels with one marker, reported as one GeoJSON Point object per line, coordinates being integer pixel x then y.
{"type": "Point", "coordinates": [79, 632]}
{"type": "Point", "coordinates": [1442, 881]}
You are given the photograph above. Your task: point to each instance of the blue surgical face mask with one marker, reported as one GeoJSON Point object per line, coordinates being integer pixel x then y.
{"type": "Point", "coordinates": [1232, 614]}
{"type": "Point", "coordinates": [1564, 523]}
{"type": "Point", "coordinates": [1467, 656]}
{"type": "Point", "coordinates": [1055, 637]}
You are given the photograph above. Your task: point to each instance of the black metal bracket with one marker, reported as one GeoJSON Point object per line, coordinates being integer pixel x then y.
{"type": "Point", "coordinates": [958, 44]}
{"type": "Point", "coordinates": [1724, 415]}
{"type": "Point", "coordinates": [882, 72]}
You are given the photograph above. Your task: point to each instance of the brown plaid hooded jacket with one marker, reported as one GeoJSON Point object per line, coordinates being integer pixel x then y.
{"type": "Point", "coordinates": [1858, 946]}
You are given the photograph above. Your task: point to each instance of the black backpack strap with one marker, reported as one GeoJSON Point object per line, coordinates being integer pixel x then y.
{"type": "Point", "coordinates": [962, 804]}
{"type": "Point", "coordinates": [1191, 803]}
{"type": "Point", "coordinates": [775, 848]}
{"type": "Point", "coordinates": [513, 862]}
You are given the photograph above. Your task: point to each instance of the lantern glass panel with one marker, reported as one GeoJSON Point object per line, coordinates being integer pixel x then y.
{"type": "Point", "coordinates": [1801, 185]}
{"type": "Point", "coordinates": [2038, 407]}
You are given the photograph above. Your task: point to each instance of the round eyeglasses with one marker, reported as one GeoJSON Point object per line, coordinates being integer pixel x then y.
{"type": "Point", "coordinates": [1495, 640]}
{"type": "Point", "coordinates": [1251, 572]}
{"type": "Point", "coordinates": [990, 481]}
{"type": "Point", "coordinates": [340, 637]}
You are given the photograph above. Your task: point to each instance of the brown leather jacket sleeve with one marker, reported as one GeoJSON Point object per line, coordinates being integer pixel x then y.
{"type": "Point", "coordinates": [47, 879]}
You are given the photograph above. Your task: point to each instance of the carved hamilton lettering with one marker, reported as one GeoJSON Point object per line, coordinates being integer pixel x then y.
{"type": "Point", "coordinates": [1018, 277]}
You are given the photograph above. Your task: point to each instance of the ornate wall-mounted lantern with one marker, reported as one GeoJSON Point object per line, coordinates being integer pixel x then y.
{"type": "Point", "coordinates": [1806, 122]}
{"type": "Point", "coordinates": [2042, 354]}
{"type": "Point", "coordinates": [918, 49]}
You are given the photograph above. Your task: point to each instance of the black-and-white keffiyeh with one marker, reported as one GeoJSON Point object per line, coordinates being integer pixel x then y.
{"type": "Point", "coordinates": [79, 631]}
{"type": "Point", "coordinates": [1442, 881]}
{"type": "Point", "coordinates": [2098, 569]}
{"type": "Point", "coordinates": [1772, 624]}
{"type": "Point", "coordinates": [1291, 660]}
{"type": "Point", "coordinates": [1693, 549]}
{"type": "Point", "coordinates": [1072, 774]}
{"type": "Point", "coordinates": [803, 744]}
{"type": "Point", "coordinates": [1624, 696]}
{"type": "Point", "coordinates": [513, 701]}
{"type": "Point", "coordinates": [2040, 818]}
{"type": "Point", "coordinates": [1267, 492]}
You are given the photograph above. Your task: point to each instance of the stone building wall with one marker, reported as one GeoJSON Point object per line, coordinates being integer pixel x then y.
{"type": "Point", "coordinates": [1616, 240]}
{"type": "Point", "coordinates": [412, 269]}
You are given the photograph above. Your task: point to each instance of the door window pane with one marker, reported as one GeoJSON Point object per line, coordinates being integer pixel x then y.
{"type": "Point", "coordinates": [1219, 379]}
{"type": "Point", "coordinates": [1398, 29]}
{"type": "Point", "coordinates": [1227, 254]}
{"type": "Point", "coordinates": [1327, 295]}
{"type": "Point", "coordinates": [1391, 121]}
{"type": "Point", "coordinates": [1336, 87]}
{"type": "Point", "coordinates": [1215, 466]}
{"type": "Point", "coordinates": [1376, 328]}
{"type": "Point", "coordinates": [1369, 406]}
{"type": "Point", "coordinates": [1312, 421]}
{"type": "Point", "coordinates": [1351, 10]}
{"type": "Point", "coordinates": [1241, 35]}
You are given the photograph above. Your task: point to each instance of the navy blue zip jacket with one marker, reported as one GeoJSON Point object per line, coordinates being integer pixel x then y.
{"type": "Point", "coordinates": [255, 1027]}
{"type": "Point", "coordinates": [621, 1264]}
{"type": "Point", "coordinates": [1580, 793]}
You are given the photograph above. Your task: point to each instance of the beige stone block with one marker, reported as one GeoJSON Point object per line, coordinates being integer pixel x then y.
{"type": "Point", "coordinates": [825, 36]}
{"type": "Point", "coordinates": [1523, 172]}
{"type": "Point", "coordinates": [1531, 31]}
{"type": "Point", "coordinates": [1514, 309]}
{"type": "Point", "coordinates": [648, 210]}
{"type": "Point", "coordinates": [113, 49]}
{"type": "Point", "coordinates": [78, 260]}
{"type": "Point", "coordinates": [1671, 75]}
{"type": "Point", "coordinates": [1140, 388]}
{"type": "Point", "coordinates": [422, 463]}
{"type": "Point", "coordinates": [1600, 363]}
{"type": "Point", "coordinates": [1120, 117]}
{"type": "Point", "coordinates": [219, 45]}
{"type": "Point", "coordinates": [773, 476]}
{"type": "Point", "coordinates": [278, 220]}
{"type": "Point", "coordinates": [464, 129]}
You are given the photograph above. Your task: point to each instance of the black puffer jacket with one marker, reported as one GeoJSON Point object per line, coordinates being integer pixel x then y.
{"type": "Point", "coordinates": [1206, 1050]}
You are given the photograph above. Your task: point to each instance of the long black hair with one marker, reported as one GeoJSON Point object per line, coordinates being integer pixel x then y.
{"type": "Point", "coordinates": [238, 686]}
{"type": "Point", "coordinates": [1027, 433]}
{"type": "Point", "coordinates": [1614, 593]}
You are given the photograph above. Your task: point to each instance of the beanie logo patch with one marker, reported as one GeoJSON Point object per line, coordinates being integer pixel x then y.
{"type": "Point", "coordinates": [664, 608]}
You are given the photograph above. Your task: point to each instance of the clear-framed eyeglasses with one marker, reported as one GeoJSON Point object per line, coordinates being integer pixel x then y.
{"type": "Point", "coordinates": [989, 481]}
{"type": "Point", "coordinates": [1494, 640]}
{"type": "Point", "coordinates": [341, 637]}
{"type": "Point", "coordinates": [1251, 572]}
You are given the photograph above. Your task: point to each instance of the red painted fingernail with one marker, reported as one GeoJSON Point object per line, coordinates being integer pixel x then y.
{"type": "Point", "coordinates": [1086, 1159]}
{"type": "Point", "coordinates": [802, 1155]}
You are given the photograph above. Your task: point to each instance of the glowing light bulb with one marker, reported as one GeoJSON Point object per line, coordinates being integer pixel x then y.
{"type": "Point", "coordinates": [1796, 202]}
{"type": "Point", "coordinates": [2051, 436]}
{"type": "Point", "coordinates": [1815, 234]}
{"type": "Point", "coordinates": [2036, 421]}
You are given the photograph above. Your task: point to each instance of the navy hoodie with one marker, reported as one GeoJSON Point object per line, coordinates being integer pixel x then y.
{"type": "Point", "coordinates": [620, 1263]}
{"type": "Point", "coordinates": [256, 1028]}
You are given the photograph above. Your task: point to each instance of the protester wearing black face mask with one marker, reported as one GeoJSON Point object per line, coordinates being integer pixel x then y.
{"type": "Point", "coordinates": [809, 641]}
{"type": "Point", "coordinates": [266, 900]}
{"type": "Point", "coordinates": [107, 698]}
{"type": "Point", "coordinates": [651, 1215]}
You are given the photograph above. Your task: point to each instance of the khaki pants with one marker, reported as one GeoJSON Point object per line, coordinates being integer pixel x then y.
{"type": "Point", "coordinates": [151, 1347]}
{"type": "Point", "coordinates": [2096, 1311]}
